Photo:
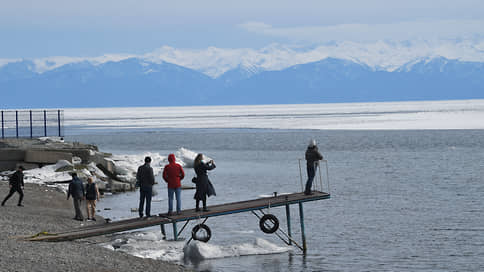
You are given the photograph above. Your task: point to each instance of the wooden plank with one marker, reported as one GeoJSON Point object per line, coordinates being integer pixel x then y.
{"type": "Point", "coordinates": [190, 214]}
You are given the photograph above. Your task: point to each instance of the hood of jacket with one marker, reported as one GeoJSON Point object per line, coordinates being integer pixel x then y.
{"type": "Point", "coordinates": [171, 158]}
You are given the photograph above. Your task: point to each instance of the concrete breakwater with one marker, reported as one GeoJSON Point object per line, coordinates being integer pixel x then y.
{"type": "Point", "coordinates": [65, 157]}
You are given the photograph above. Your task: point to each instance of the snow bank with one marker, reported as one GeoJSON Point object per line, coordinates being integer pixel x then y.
{"type": "Point", "coordinates": [125, 168]}
{"type": "Point", "coordinates": [197, 251]}
{"type": "Point", "coordinates": [151, 245]}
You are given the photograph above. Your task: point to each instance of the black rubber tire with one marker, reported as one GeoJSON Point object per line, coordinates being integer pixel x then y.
{"type": "Point", "coordinates": [199, 227]}
{"type": "Point", "coordinates": [273, 219]}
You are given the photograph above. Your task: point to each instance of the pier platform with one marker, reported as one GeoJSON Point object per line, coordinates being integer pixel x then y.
{"type": "Point", "coordinates": [186, 215]}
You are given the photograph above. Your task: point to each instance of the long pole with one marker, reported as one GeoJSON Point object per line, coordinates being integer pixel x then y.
{"type": "Point", "coordinates": [59, 122]}
{"type": "Point", "coordinates": [16, 123]}
{"type": "Point", "coordinates": [301, 219]}
{"type": "Point", "coordinates": [3, 133]}
{"type": "Point", "coordinates": [300, 175]}
{"type": "Point", "coordinates": [30, 124]}
{"type": "Point", "coordinates": [45, 123]}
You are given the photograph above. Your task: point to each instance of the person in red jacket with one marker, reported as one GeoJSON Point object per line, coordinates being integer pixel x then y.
{"type": "Point", "coordinates": [173, 174]}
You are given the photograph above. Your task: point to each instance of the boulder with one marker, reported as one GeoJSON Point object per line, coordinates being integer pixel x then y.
{"type": "Point", "coordinates": [117, 186]}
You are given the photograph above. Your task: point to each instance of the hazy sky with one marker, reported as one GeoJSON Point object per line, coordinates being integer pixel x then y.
{"type": "Point", "coordinates": [33, 29]}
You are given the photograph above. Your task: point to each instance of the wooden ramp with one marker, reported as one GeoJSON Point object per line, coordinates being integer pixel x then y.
{"type": "Point", "coordinates": [186, 215]}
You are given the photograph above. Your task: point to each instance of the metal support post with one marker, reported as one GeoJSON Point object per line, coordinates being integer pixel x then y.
{"type": "Point", "coordinates": [175, 232]}
{"type": "Point", "coordinates": [163, 232]}
{"type": "Point", "coordinates": [16, 122]}
{"type": "Point", "coordinates": [59, 122]}
{"type": "Point", "coordinates": [3, 133]}
{"type": "Point", "coordinates": [288, 219]}
{"type": "Point", "coordinates": [45, 123]}
{"type": "Point", "coordinates": [30, 124]}
{"type": "Point", "coordinates": [301, 219]}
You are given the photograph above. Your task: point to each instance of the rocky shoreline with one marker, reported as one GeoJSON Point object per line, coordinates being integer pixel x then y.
{"type": "Point", "coordinates": [46, 209]}
{"type": "Point", "coordinates": [64, 157]}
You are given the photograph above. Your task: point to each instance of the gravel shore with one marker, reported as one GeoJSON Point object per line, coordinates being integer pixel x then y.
{"type": "Point", "coordinates": [46, 209]}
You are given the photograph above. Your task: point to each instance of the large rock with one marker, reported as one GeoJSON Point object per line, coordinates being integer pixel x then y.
{"type": "Point", "coordinates": [46, 157]}
{"type": "Point", "coordinates": [117, 186]}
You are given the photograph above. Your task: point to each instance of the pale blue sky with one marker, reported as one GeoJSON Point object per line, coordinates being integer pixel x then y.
{"type": "Point", "coordinates": [33, 29]}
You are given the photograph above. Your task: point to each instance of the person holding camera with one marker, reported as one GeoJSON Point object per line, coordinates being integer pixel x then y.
{"type": "Point", "coordinates": [203, 184]}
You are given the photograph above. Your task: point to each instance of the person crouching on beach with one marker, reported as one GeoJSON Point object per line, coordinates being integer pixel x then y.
{"type": "Point", "coordinates": [92, 194]}
{"type": "Point", "coordinates": [76, 189]}
{"type": "Point", "coordinates": [173, 174]}
{"type": "Point", "coordinates": [203, 184]}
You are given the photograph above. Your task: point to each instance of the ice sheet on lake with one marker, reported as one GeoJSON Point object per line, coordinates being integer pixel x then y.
{"type": "Point", "coordinates": [455, 114]}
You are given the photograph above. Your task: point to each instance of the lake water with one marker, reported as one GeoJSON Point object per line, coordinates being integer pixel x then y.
{"type": "Point", "coordinates": [401, 200]}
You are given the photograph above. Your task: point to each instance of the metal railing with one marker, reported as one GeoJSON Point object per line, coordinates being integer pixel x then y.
{"type": "Point", "coordinates": [31, 123]}
{"type": "Point", "coordinates": [320, 183]}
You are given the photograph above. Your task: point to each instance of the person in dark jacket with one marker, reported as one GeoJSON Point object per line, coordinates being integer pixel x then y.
{"type": "Point", "coordinates": [312, 160]}
{"type": "Point", "coordinates": [173, 174]}
{"type": "Point", "coordinates": [145, 179]}
{"type": "Point", "coordinates": [92, 195]}
{"type": "Point", "coordinates": [203, 184]}
{"type": "Point", "coordinates": [16, 184]}
{"type": "Point", "coordinates": [76, 190]}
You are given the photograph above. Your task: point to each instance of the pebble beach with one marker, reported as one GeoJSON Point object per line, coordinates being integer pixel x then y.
{"type": "Point", "coordinates": [47, 210]}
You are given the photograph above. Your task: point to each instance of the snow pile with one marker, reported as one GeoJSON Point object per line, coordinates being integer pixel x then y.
{"type": "Point", "coordinates": [197, 251]}
{"type": "Point", "coordinates": [185, 157]}
{"type": "Point", "coordinates": [148, 245]}
{"type": "Point", "coordinates": [151, 245]}
{"type": "Point", "coordinates": [125, 168]}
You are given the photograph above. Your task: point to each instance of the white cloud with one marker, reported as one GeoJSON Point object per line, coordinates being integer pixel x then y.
{"type": "Point", "coordinates": [408, 30]}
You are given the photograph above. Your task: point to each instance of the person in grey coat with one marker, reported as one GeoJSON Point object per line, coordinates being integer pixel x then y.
{"type": "Point", "coordinates": [76, 190]}
{"type": "Point", "coordinates": [145, 179]}
{"type": "Point", "coordinates": [203, 184]}
{"type": "Point", "coordinates": [312, 160]}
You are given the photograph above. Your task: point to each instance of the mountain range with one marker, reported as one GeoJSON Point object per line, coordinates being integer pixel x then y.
{"type": "Point", "coordinates": [140, 82]}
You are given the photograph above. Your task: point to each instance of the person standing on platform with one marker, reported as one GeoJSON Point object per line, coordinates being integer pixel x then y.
{"type": "Point", "coordinates": [173, 174]}
{"type": "Point", "coordinates": [16, 184]}
{"type": "Point", "coordinates": [203, 184]}
{"type": "Point", "coordinates": [145, 179]}
{"type": "Point", "coordinates": [92, 194]}
{"type": "Point", "coordinates": [312, 161]}
{"type": "Point", "coordinates": [76, 190]}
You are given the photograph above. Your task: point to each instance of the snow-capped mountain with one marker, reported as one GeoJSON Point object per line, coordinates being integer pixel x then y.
{"type": "Point", "coordinates": [214, 62]}
{"type": "Point", "coordinates": [237, 76]}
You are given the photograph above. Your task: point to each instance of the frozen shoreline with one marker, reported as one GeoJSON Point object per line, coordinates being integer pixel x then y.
{"type": "Point", "coordinates": [45, 209]}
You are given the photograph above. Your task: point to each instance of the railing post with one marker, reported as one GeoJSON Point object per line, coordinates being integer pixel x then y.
{"type": "Point", "coordinates": [59, 122]}
{"type": "Point", "coordinates": [3, 133]}
{"type": "Point", "coordinates": [16, 123]}
{"type": "Point", "coordinates": [30, 124]}
{"type": "Point", "coordinates": [45, 123]}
